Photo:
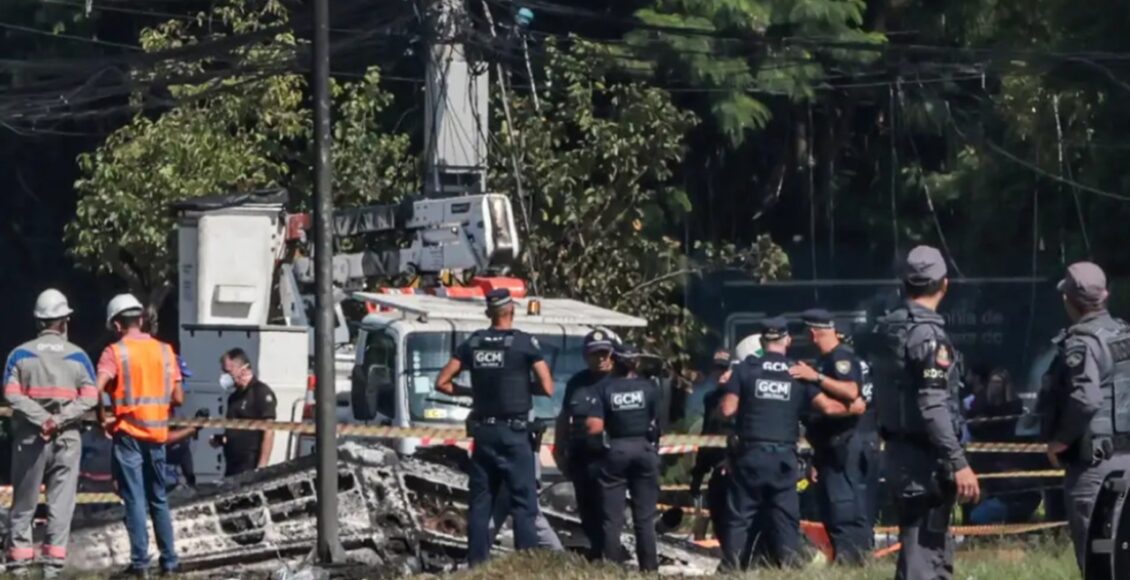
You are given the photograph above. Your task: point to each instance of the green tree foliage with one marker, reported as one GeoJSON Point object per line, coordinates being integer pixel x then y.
{"type": "Point", "coordinates": [740, 51]}
{"type": "Point", "coordinates": [242, 131]}
{"type": "Point", "coordinates": [596, 164]}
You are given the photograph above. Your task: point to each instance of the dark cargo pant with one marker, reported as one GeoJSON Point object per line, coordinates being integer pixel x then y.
{"type": "Point", "coordinates": [1081, 487]}
{"type": "Point", "coordinates": [630, 464]}
{"type": "Point", "coordinates": [924, 509]}
{"type": "Point", "coordinates": [840, 492]}
{"type": "Point", "coordinates": [501, 457]}
{"type": "Point", "coordinates": [762, 491]}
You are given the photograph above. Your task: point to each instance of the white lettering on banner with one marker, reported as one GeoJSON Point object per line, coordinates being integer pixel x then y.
{"type": "Point", "coordinates": [775, 366]}
{"type": "Point", "coordinates": [774, 390]}
{"type": "Point", "coordinates": [627, 401]}
{"type": "Point", "coordinates": [488, 359]}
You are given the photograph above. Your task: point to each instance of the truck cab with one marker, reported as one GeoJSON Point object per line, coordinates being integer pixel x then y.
{"type": "Point", "coordinates": [402, 345]}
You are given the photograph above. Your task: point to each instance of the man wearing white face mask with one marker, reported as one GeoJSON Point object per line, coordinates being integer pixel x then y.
{"type": "Point", "coordinates": [245, 450]}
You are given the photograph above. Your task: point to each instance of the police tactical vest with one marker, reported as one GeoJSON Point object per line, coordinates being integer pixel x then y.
{"type": "Point", "coordinates": [770, 402]}
{"type": "Point", "coordinates": [629, 407]}
{"type": "Point", "coordinates": [898, 383]}
{"type": "Point", "coordinates": [500, 377]}
{"type": "Point", "coordinates": [1113, 336]}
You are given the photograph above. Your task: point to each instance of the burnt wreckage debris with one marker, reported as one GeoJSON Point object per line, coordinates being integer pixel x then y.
{"type": "Point", "coordinates": [405, 515]}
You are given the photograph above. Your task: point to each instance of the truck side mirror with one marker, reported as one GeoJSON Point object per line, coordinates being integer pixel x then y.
{"type": "Point", "coordinates": [369, 387]}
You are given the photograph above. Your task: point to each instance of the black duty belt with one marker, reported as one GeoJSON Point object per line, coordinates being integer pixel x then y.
{"type": "Point", "coordinates": [511, 420]}
{"type": "Point", "coordinates": [913, 438]}
{"type": "Point", "coordinates": [612, 437]}
{"type": "Point", "coordinates": [776, 446]}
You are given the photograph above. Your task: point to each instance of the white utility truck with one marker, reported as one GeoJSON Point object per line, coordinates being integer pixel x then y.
{"type": "Point", "coordinates": [244, 282]}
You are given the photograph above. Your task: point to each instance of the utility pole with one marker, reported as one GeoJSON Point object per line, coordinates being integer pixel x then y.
{"type": "Point", "coordinates": [455, 115]}
{"type": "Point", "coordinates": [329, 550]}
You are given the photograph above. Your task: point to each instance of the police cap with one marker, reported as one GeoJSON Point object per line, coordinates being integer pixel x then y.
{"type": "Point", "coordinates": [775, 328]}
{"type": "Point", "coordinates": [599, 340]}
{"type": "Point", "coordinates": [625, 351]}
{"type": "Point", "coordinates": [818, 318]}
{"type": "Point", "coordinates": [1085, 283]}
{"type": "Point", "coordinates": [924, 264]}
{"type": "Point", "coordinates": [498, 298]}
{"type": "Point", "coordinates": [722, 358]}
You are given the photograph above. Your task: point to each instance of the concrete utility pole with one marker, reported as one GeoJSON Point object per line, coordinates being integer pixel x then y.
{"type": "Point", "coordinates": [329, 549]}
{"type": "Point", "coordinates": [455, 117]}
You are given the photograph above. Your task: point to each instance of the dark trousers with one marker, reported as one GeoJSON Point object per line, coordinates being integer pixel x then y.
{"type": "Point", "coordinates": [587, 491]}
{"type": "Point", "coordinates": [866, 451]}
{"type": "Point", "coordinates": [237, 463]}
{"type": "Point", "coordinates": [924, 505]}
{"type": "Point", "coordinates": [840, 494]}
{"type": "Point", "coordinates": [139, 469]}
{"type": "Point", "coordinates": [630, 464]}
{"type": "Point", "coordinates": [502, 457]}
{"type": "Point", "coordinates": [762, 489]}
{"type": "Point", "coordinates": [716, 490]}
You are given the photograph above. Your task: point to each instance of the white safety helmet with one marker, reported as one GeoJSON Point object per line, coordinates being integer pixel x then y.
{"type": "Point", "coordinates": [52, 305]}
{"type": "Point", "coordinates": [749, 346]}
{"type": "Point", "coordinates": [120, 304]}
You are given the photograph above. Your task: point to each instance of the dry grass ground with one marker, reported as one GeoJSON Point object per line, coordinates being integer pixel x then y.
{"type": "Point", "coordinates": [1048, 558]}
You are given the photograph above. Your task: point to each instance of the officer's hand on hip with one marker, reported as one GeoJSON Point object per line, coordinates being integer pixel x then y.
{"type": "Point", "coordinates": [968, 488]}
{"type": "Point", "coordinates": [1054, 449]}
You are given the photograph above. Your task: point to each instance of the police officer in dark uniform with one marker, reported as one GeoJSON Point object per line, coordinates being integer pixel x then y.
{"type": "Point", "coordinates": [712, 460]}
{"type": "Point", "coordinates": [768, 404]}
{"type": "Point", "coordinates": [920, 417]}
{"type": "Point", "coordinates": [1086, 431]}
{"type": "Point", "coordinates": [500, 360]}
{"type": "Point", "coordinates": [864, 448]}
{"type": "Point", "coordinates": [622, 418]}
{"type": "Point", "coordinates": [571, 449]}
{"type": "Point", "coordinates": [834, 467]}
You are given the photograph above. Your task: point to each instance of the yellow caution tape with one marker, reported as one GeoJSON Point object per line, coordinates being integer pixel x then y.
{"type": "Point", "coordinates": [669, 444]}
{"type": "Point", "coordinates": [1021, 474]}
{"type": "Point", "coordinates": [81, 498]}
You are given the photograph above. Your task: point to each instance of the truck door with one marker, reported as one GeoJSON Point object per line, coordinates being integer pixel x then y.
{"type": "Point", "coordinates": [377, 369]}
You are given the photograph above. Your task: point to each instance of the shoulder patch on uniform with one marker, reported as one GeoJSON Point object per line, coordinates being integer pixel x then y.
{"type": "Point", "coordinates": [1073, 358]}
{"type": "Point", "coordinates": [843, 367]}
{"type": "Point", "coordinates": [943, 356]}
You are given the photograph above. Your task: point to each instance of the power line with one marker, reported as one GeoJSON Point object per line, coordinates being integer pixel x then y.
{"type": "Point", "coordinates": [1029, 165]}
{"type": "Point", "coordinates": [36, 31]}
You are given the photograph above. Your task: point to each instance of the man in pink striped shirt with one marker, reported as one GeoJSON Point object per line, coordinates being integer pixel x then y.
{"type": "Point", "coordinates": [49, 383]}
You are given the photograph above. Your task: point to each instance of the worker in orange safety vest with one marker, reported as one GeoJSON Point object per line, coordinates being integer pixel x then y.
{"type": "Point", "coordinates": [142, 377]}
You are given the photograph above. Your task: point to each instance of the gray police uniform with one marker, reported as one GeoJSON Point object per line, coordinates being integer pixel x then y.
{"type": "Point", "coordinates": [763, 459]}
{"type": "Point", "coordinates": [920, 418]}
{"type": "Point", "coordinates": [629, 408]}
{"type": "Point", "coordinates": [1090, 375]}
{"type": "Point", "coordinates": [500, 363]}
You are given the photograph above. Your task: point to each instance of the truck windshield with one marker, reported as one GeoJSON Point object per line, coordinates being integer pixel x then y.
{"type": "Point", "coordinates": [427, 352]}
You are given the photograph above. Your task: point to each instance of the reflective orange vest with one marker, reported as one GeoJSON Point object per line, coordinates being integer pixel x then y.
{"type": "Point", "coordinates": [143, 388]}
